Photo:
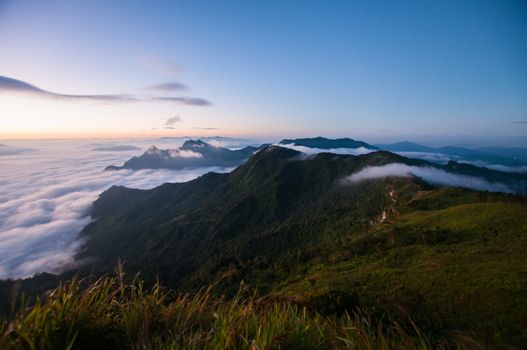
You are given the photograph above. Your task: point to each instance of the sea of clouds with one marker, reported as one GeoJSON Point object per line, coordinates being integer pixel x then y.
{"type": "Point", "coordinates": [46, 195]}
{"type": "Point", "coordinates": [47, 190]}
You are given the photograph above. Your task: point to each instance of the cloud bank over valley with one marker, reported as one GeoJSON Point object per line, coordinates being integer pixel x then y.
{"type": "Point", "coordinates": [431, 175]}
{"type": "Point", "coordinates": [310, 150]}
{"type": "Point", "coordinates": [46, 196]}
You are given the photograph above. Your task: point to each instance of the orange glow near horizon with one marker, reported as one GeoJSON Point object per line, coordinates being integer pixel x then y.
{"type": "Point", "coordinates": [24, 117]}
{"type": "Point", "coordinates": [113, 135]}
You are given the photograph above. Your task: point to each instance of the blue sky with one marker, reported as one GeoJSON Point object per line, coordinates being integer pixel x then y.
{"type": "Point", "coordinates": [437, 71]}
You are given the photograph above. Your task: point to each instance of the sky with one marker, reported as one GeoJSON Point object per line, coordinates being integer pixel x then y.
{"type": "Point", "coordinates": [432, 71]}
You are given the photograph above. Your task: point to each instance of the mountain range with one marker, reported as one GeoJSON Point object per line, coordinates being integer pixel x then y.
{"type": "Point", "coordinates": [316, 231]}
{"type": "Point", "coordinates": [507, 156]}
{"type": "Point", "coordinates": [490, 155]}
{"type": "Point", "coordinates": [197, 153]}
{"type": "Point", "coordinates": [192, 154]}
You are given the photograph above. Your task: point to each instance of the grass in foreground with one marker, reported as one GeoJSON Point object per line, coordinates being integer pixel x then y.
{"type": "Point", "coordinates": [112, 314]}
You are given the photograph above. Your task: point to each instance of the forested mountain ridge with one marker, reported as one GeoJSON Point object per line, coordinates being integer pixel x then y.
{"type": "Point", "coordinates": [268, 190]}
{"type": "Point", "coordinates": [296, 229]}
{"type": "Point", "coordinates": [274, 188]}
{"type": "Point", "coordinates": [293, 226]}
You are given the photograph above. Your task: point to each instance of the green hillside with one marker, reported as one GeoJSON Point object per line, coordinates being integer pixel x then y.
{"type": "Point", "coordinates": [463, 267]}
{"type": "Point", "coordinates": [405, 254]}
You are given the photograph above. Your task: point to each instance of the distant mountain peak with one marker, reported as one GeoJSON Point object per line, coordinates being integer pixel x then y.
{"type": "Point", "coordinates": [326, 143]}
{"type": "Point", "coordinates": [192, 154]}
{"type": "Point", "coordinates": [275, 150]}
{"type": "Point", "coordinates": [152, 150]}
{"type": "Point", "coordinates": [191, 144]}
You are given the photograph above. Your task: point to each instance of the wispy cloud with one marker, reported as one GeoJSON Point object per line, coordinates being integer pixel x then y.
{"type": "Point", "coordinates": [168, 86]}
{"type": "Point", "coordinates": [520, 122]}
{"type": "Point", "coordinates": [186, 100]}
{"type": "Point", "coordinates": [10, 85]}
{"type": "Point", "coordinates": [173, 120]}
{"type": "Point", "coordinates": [429, 174]}
{"type": "Point", "coordinates": [202, 128]}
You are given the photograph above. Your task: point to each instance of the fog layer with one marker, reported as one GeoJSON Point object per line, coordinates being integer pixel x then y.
{"type": "Point", "coordinates": [46, 195]}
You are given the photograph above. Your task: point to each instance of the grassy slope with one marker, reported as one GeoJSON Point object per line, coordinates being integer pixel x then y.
{"type": "Point", "coordinates": [463, 267]}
